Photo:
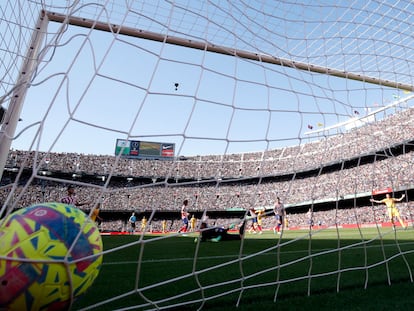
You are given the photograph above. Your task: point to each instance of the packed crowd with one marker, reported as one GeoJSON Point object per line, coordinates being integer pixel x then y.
{"type": "Point", "coordinates": [395, 172]}
{"type": "Point", "coordinates": [367, 139]}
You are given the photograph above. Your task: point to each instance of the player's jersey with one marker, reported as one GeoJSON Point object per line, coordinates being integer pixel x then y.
{"type": "Point", "coordinates": [95, 214]}
{"type": "Point", "coordinates": [260, 218]}
{"type": "Point", "coordinates": [253, 215]}
{"type": "Point", "coordinates": [212, 233]}
{"type": "Point", "coordinates": [69, 200]}
{"type": "Point", "coordinates": [389, 202]}
{"type": "Point", "coordinates": [184, 213]}
{"type": "Point", "coordinates": [279, 209]}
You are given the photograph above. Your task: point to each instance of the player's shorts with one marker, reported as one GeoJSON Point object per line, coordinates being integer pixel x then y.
{"type": "Point", "coordinates": [393, 212]}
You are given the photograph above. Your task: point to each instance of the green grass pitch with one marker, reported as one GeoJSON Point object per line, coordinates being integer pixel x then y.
{"type": "Point", "coordinates": [344, 269]}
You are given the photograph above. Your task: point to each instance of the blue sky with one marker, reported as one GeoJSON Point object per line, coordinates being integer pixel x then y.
{"type": "Point", "coordinates": [94, 87]}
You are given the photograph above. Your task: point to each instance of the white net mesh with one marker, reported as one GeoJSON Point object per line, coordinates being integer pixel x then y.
{"type": "Point", "coordinates": [308, 102]}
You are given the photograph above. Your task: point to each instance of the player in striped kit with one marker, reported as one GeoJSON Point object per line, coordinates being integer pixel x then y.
{"type": "Point", "coordinates": [71, 198]}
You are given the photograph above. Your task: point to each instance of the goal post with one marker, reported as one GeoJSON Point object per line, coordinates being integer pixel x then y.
{"type": "Point", "coordinates": [18, 92]}
{"type": "Point", "coordinates": [31, 59]}
{"type": "Point", "coordinates": [210, 47]}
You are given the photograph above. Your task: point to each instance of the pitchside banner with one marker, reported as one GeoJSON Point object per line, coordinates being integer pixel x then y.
{"type": "Point", "coordinates": [144, 149]}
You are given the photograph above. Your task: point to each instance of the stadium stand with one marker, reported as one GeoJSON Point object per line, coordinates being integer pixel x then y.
{"type": "Point", "coordinates": [356, 158]}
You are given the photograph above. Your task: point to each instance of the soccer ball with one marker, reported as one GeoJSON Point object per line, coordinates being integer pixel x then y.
{"type": "Point", "coordinates": [50, 254]}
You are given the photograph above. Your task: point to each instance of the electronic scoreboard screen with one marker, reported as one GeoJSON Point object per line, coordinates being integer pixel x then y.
{"type": "Point", "coordinates": [144, 149]}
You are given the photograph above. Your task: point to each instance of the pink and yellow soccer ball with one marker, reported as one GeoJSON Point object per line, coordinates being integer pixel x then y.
{"type": "Point", "coordinates": [50, 254]}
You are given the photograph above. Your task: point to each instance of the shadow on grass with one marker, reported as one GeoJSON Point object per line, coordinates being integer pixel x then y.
{"type": "Point", "coordinates": [318, 272]}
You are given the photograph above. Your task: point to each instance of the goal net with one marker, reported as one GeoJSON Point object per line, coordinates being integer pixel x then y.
{"type": "Point", "coordinates": [228, 104]}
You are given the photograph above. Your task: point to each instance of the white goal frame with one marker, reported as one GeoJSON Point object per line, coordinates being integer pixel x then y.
{"type": "Point", "coordinates": [12, 115]}
{"type": "Point", "coordinates": [290, 167]}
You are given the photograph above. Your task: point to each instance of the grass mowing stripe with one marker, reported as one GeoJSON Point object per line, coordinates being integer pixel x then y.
{"type": "Point", "coordinates": [235, 256]}
{"type": "Point", "coordinates": [169, 272]}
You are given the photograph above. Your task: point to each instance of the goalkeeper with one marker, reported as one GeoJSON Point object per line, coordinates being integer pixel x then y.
{"type": "Point", "coordinates": [216, 234]}
{"type": "Point", "coordinates": [392, 209]}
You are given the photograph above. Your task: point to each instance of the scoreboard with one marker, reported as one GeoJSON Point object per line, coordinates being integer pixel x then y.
{"type": "Point", "coordinates": [144, 149]}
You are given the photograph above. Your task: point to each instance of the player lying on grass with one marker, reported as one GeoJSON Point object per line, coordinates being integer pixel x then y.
{"type": "Point", "coordinates": [216, 234]}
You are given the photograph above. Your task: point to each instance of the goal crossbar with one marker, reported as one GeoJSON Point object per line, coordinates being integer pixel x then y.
{"type": "Point", "coordinates": [138, 33]}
